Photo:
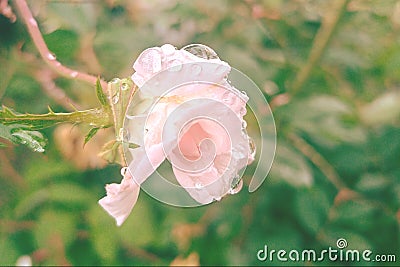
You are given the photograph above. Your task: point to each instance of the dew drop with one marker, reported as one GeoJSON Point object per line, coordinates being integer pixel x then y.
{"type": "Point", "coordinates": [124, 86]}
{"type": "Point", "coordinates": [236, 189]}
{"type": "Point", "coordinates": [175, 66]}
{"type": "Point", "coordinates": [198, 185]}
{"type": "Point", "coordinates": [51, 56]}
{"type": "Point", "coordinates": [115, 80]}
{"type": "Point", "coordinates": [227, 98]}
{"type": "Point", "coordinates": [221, 69]}
{"type": "Point", "coordinates": [33, 22]}
{"type": "Point", "coordinates": [244, 124]}
{"type": "Point", "coordinates": [124, 171]}
{"type": "Point", "coordinates": [217, 198]}
{"type": "Point", "coordinates": [124, 135]}
{"type": "Point", "coordinates": [115, 98]}
{"type": "Point", "coordinates": [196, 69]}
{"type": "Point", "coordinates": [244, 93]}
{"type": "Point", "coordinates": [201, 51]}
{"type": "Point", "coordinates": [74, 74]}
{"type": "Point", "coordinates": [242, 111]}
{"type": "Point", "coordinates": [168, 49]}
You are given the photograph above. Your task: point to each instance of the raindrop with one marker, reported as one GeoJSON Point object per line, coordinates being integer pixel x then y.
{"type": "Point", "coordinates": [33, 22]}
{"type": "Point", "coordinates": [196, 69]}
{"type": "Point", "coordinates": [124, 86]}
{"type": "Point", "coordinates": [221, 69]}
{"type": "Point", "coordinates": [244, 124]}
{"type": "Point", "coordinates": [198, 185]}
{"type": "Point", "coordinates": [244, 93]}
{"type": "Point", "coordinates": [168, 49]}
{"type": "Point", "coordinates": [115, 98]}
{"type": "Point", "coordinates": [74, 74]}
{"type": "Point", "coordinates": [115, 80]}
{"type": "Point", "coordinates": [124, 171]}
{"type": "Point", "coordinates": [236, 189]}
{"type": "Point", "coordinates": [201, 51]}
{"type": "Point", "coordinates": [217, 198]}
{"type": "Point", "coordinates": [227, 98]}
{"type": "Point", "coordinates": [242, 111]}
{"type": "Point", "coordinates": [175, 66]}
{"type": "Point", "coordinates": [124, 135]}
{"type": "Point", "coordinates": [51, 56]}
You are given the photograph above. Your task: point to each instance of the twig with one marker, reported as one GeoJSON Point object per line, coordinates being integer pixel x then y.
{"type": "Point", "coordinates": [44, 51]}
{"type": "Point", "coordinates": [319, 161]}
{"type": "Point", "coordinates": [321, 41]}
{"type": "Point", "coordinates": [9, 170]}
{"type": "Point", "coordinates": [45, 79]}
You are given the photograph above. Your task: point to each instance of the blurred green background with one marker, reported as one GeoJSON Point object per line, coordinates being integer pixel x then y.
{"type": "Point", "coordinates": [329, 69]}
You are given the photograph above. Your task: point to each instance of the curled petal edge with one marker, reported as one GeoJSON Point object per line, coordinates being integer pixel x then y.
{"type": "Point", "coordinates": [121, 198]}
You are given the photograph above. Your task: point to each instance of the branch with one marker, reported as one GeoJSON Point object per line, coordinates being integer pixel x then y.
{"type": "Point", "coordinates": [321, 41]}
{"type": "Point", "coordinates": [319, 161]}
{"type": "Point", "coordinates": [98, 118]}
{"type": "Point", "coordinates": [44, 51]}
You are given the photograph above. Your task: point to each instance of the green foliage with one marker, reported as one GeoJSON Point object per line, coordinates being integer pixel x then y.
{"type": "Point", "coordinates": [341, 123]}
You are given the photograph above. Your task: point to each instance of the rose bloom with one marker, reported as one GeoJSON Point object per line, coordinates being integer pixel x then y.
{"type": "Point", "coordinates": [198, 127]}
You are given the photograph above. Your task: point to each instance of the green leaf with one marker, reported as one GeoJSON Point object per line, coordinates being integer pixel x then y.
{"type": "Point", "coordinates": [311, 208]}
{"type": "Point", "coordinates": [101, 96]}
{"type": "Point", "coordinates": [291, 167]}
{"type": "Point", "coordinates": [90, 135]}
{"type": "Point", "coordinates": [62, 224]}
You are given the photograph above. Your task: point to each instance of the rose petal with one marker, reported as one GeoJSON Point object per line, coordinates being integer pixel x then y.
{"type": "Point", "coordinates": [120, 198]}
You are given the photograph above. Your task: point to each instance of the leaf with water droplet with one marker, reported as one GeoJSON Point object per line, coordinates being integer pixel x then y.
{"type": "Point", "coordinates": [101, 96]}
{"type": "Point", "coordinates": [32, 139]}
{"type": "Point", "coordinates": [90, 134]}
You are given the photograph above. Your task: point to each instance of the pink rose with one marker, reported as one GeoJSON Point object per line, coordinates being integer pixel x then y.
{"type": "Point", "coordinates": [185, 111]}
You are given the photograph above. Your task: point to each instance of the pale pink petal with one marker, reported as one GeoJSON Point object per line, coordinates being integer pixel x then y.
{"type": "Point", "coordinates": [120, 198]}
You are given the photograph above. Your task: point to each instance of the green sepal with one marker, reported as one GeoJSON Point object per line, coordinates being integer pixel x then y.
{"type": "Point", "coordinates": [90, 134]}
{"type": "Point", "coordinates": [101, 96]}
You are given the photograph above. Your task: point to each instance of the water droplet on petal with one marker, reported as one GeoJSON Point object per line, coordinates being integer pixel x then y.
{"type": "Point", "coordinates": [124, 170]}
{"type": "Point", "coordinates": [236, 189]}
{"type": "Point", "coordinates": [175, 66]}
{"type": "Point", "coordinates": [33, 22]}
{"type": "Point", "coordinates": [196, 69]}
{"type": "Point", "coordinates": [221, 69]}
{"type": "Point", "coordinates": [217, 198]}
{"type": "Point", "coordinates": [227, 97]}
{"type": "Point", "coordinates": [201, 51]}
{"type": "Point", "coordinates": [242, 111]}
{"type": "Point", "coordinates": [198, 185]}
{"type": "Point", "coordinates": [168, 49]}
{"type": "Point", "coordinates": [74, 74]}
{"type": "Point", "coordinates": [51, 56]}
{"type": "Point", "coordinates": [244, 124]}
{"type": "Point", "coordinates": [244, 93]}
